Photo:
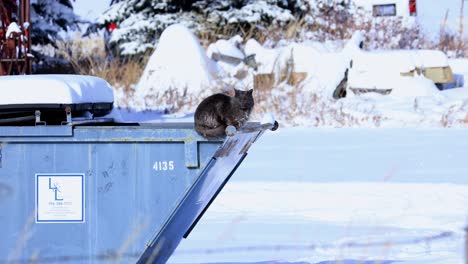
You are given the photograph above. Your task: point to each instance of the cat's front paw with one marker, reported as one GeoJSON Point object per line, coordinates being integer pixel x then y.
{"type": "Point", "coordinates": [230, 131]}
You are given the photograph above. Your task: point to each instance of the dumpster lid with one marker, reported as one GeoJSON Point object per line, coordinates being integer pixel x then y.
{"type": "Point", "coordinates": [54, 89]}
{"type": "Point", "coordinates": [52, 95]}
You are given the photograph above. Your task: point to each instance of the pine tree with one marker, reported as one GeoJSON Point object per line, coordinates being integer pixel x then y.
{"type": "Point", "coordinates": [49, 18]}
{"type": "Point", "coordinates": [140, 22]}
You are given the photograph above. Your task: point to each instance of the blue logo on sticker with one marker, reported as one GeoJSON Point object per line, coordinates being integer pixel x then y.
{"type": "Point", "coordinates": [56, 189]}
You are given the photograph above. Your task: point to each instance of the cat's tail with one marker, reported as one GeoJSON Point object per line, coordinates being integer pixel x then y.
{"type": "Point", "coordinates": [210, 132]}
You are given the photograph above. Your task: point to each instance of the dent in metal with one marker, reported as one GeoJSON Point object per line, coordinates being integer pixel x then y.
{"type": "Point", "coordinates": [5, 191]}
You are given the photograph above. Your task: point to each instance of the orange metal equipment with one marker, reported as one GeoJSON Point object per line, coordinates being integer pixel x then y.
{"type": "Point", "coordinates": [15, 41]}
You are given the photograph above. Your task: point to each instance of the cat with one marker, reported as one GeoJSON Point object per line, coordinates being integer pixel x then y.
{"type": "Point", "coordinates": [218, 111]}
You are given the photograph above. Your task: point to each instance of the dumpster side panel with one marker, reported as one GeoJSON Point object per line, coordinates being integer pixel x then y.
{"type": "Point", "coordinates": [131, 187]}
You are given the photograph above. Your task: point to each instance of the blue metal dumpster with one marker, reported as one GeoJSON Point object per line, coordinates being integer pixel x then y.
{"type": "Point", "coordinates": [108, 194]}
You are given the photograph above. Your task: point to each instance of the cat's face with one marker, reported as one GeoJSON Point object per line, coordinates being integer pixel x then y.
{"type": "Point", "coordinates": [245, 98]}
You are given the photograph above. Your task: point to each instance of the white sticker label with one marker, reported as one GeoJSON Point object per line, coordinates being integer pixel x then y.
{"type": "Point", "coordinates": [60, 198]}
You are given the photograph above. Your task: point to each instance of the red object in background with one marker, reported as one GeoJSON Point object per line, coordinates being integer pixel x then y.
{"type": "Point", "coordinates": [412, 7]}
{"type": "Point", "coordinates": [111, 27]}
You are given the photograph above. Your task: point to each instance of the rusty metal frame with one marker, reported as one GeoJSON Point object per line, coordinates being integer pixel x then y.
{"type": "Point", "coordinates": [15, 49]}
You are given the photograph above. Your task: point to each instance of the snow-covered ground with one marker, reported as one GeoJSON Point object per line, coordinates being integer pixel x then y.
{"type": "Point", "coordinates": [350, 195]}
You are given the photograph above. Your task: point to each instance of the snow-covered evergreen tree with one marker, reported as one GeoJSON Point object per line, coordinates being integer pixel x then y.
{"type": "Point", "coordinates": [49, 18]}
{"type": "Point", "coordinates": [137, 24]}
{"type": "Point", "coordinates": [140, 22]}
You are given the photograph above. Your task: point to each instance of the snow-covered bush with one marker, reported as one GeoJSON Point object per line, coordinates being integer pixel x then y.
{"type": "Point", "coordinates": [178, 73]}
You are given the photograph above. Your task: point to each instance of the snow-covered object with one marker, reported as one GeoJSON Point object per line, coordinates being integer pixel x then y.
{"type": "Point", "coordinates": [430, 58]}
{"type": "Point", "coordinates": [265, 57]}
{"type": "Point", "coordinates": [54, 89]}
{"type": "Point", "coordinates": [226, 47]}
{"type": "Point", "coordinates": [12, 28]}
{"type": "Point", "coordinates": [233, 55]}
{"type": "Point", "coordinates": [388, 62]}
{"type": "Point", "coordinates": [384, 70]}
{"type": "Point", "coordinates": [324, 69]}
{"type": "Point", "coordinates": [179, 63]}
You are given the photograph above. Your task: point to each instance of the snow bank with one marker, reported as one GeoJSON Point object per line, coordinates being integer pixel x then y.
{"type": "Point", "coordinates": [54, 89]}
{"type": "Point", "coordinates": [179, 64]}
{"type": "Point", "coordinates": [419, 85]}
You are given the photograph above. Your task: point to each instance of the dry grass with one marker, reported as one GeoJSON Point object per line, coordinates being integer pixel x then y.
{"type": "Point", "coordinates": [261, 33]}
{"type": "Point", "coordinates": [88, 57]}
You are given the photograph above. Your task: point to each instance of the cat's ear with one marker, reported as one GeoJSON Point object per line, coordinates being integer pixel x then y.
{"type": "Point", "coordinates": [250, 92]}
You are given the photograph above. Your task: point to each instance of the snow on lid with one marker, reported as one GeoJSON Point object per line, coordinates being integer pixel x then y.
{"type": "Point", "coordinates": [179, 62]}
{"type": "Point", "coordinates": [390, 61]}
{"type": "Point", "coordinates": [12, 28]}
{"type": "Point", "coordinates": [54, 89]}
{"type": "Point", "coordinates": [431, 58]}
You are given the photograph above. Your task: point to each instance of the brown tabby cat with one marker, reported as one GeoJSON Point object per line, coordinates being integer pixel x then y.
{"type": "Point", "coordinates": [218, 111]}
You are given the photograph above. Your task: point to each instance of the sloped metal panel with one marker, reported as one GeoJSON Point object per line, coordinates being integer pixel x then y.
{"type": "Point", "coordinates": [208, 185]}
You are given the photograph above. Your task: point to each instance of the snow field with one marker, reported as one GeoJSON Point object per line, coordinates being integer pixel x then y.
{"type": "Point", "coordinates": [355, 195]}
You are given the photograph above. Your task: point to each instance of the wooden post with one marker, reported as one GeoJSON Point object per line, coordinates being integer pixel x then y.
{"type": "Point", "coordinates": [466, 245]}
{"type": "Point", "coordinates": [27, 19]}
{"type": "Point", "coordinates": [460, 50]}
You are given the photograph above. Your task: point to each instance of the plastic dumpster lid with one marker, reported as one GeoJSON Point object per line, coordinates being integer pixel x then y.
{"type": "Point", "coordinates": [54, 89]}
{"type": "Point", "coordinates": [52, 94]}
{"type": "Point", "coordinates": [202, 193]}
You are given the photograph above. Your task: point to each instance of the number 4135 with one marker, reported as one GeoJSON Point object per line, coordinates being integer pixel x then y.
{"type": "Point", "coordinates": [163, 165]}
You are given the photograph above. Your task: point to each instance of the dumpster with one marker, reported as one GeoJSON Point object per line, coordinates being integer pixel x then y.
{"type": "Point", "coordinates": [109, 193]}
{"type": "Point", "coordinates": [78, 187]}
